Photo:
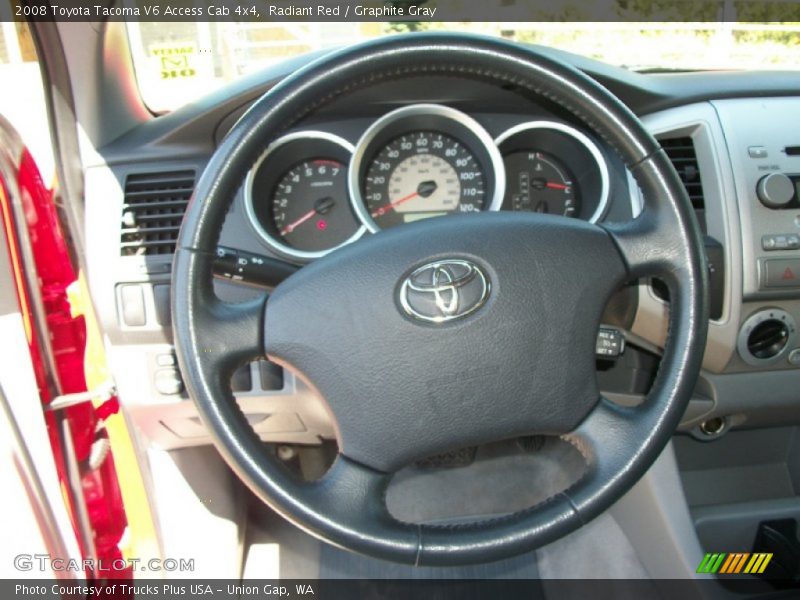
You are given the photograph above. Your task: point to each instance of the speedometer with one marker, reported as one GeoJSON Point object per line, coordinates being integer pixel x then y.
{"type": "Point", "coordinates": [423, 174]}
{"type": "Point", "coordinates": [422, 161]}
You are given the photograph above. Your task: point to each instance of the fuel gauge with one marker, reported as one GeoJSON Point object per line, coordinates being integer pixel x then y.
{"type": "Point", "coordinates": [539, 182]}
{"type": "Point", "coordinates": [555, 169]}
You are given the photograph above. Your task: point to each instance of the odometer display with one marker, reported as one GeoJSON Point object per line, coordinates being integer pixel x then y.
{"type": "Point", "coordinates": [422, 174]}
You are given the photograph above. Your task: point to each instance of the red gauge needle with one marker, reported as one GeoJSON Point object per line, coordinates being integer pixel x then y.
{"type": "Point", "coordinates": [384, 209]}
{"type": "Point", "coordinates": [321, 207]}
{"type": "Point", "coordinates": [539, 183]}
{"type": "Point", "coordinates": [292, 226]}
{"type": "Point", "coordinates": [424, 189]}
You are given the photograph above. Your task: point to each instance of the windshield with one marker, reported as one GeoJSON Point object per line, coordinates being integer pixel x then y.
{"type": "Point", "coordinates": [178, 62]}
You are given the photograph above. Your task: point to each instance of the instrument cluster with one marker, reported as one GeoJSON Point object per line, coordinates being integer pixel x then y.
{"type": "Point", "coordinates": [311, 192]}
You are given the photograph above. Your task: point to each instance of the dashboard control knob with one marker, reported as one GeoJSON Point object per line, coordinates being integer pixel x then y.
{"type": "Point", "coordinates": [794, 357]}
{"type": "Point", "coordinates": [768, 339]}
{"type": "Point", "coordinates": [765, 336]}
{"type": "Point", "coordinates": [168, 382]}
{"type": "Point", "coordinates": [775, 190]}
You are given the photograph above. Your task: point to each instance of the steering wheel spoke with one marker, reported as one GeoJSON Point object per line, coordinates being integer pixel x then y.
{"type": "Point", "coordinates": [634, 240]}
{"type": "Point", "coordinates": [236, 332]}
{"type": "Point", "coordinates": [658, 242]}
{"type": "Point", "coordinates": [224, 335]}
{"type": "Point", "coordinates": [350, 495]}
{"type": "Point", "coordinates": [605, 438]}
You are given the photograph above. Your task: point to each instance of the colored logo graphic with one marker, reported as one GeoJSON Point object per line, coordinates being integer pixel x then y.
{"type": "Point", "coordinates": [735, 563]}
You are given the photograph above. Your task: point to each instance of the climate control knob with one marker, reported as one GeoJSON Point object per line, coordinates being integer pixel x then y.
{"type": "Point", "coordinates": [768, 339]}
{"type": "Point", "coordinates": [766, 335]}
{"type": "Point", "coordinates": [775, 190]}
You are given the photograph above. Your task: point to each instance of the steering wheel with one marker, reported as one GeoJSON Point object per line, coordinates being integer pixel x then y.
{"type": "Point", "coordinates": [520, 361]}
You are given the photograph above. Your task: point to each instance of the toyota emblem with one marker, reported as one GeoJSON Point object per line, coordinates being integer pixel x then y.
{"type": "Point", "coordinates": [444, 290]}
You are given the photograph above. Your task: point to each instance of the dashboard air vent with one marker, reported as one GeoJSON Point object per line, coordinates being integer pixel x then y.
{"type": "Point", "coordinates": [682, 154]}
{"type": "Point", "coordinates": [153, 210]}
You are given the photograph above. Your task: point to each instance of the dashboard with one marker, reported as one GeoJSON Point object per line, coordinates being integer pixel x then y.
{"type": "Point", "coordinates": [429, 147]}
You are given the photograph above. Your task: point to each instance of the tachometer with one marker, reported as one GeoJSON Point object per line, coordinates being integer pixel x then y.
{"type": "Point", "coordinates": [310, 207]}
{"type": "Point", "coordinates": [297, 195]}
{"type": "Point", "coordinates": [424, 161]}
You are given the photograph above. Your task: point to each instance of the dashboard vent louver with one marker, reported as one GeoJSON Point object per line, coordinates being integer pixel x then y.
{"type": "Point", "coordinates": [153, 210]}
{"type": "Point", "coordinates": [682, 154]}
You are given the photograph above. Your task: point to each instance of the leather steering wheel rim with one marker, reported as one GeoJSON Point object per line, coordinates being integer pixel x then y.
{"type": "Point", "coordinates": [346, 506]}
